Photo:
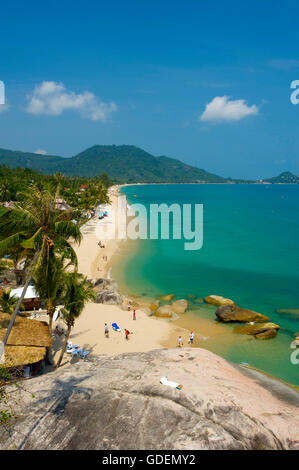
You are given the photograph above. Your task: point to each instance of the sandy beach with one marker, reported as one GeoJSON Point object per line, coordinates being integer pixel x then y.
{"type": "Point", "coordinates": [146, 332]}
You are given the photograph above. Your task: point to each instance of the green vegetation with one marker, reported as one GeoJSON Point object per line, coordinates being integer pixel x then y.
{"type": "Point", "coordinates": [286, 177]}
{"type": "Point", "coordinates": [123, 163]}
{"type": "Point", "coordinates": [78, 292]}
{"type": "Point", "coordinates": [8, 302]}
{"type": "Point", "coordinates": [6, 412]}
{"type": "Point", "coordinates": [38, 231]}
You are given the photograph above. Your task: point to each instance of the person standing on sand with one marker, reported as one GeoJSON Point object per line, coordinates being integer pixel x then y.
{"type": "Point", "coordinates": [180, 342]}
{"type": "Point", "coordinates": [129, 306]}
{"type": "Point", "coordinates": [134, 315]}
{"type": "Point", "coordinates": [191, 337]}
{"type": "Point", "coordinates": [127, 333]}
{"type": "Point", "coordinates": [106, 330]}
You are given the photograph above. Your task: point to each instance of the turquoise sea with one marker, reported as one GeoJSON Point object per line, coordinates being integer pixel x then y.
{"type": "Point", "coordinates": [250, 254]}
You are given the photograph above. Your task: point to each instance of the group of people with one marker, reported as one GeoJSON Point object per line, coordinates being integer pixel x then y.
{"type": "Point", "coordinates": [127, 332]}
{"type": "Point", "coordinates": [190, 341]}
{"type": "Point", "coordinates": [100, 244]}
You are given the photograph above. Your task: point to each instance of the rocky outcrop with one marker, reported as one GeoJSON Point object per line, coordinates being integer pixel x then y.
{"type": "Point", "coordinates": [179, 306]}
{"type": "Point", "coordinates": [218, 300]}
{"type": "Point", "coordinates": [231, 313]}
{"type": "Point", "coordinates": [107, 292]}
{"type": "Point", "coordinates": [259, 330]}
{"type": "Point", "coordinates": [108, 297]}
{"type": "Point", "coordinates": [118, 402]}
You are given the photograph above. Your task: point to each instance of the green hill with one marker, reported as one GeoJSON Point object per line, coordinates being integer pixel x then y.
{"type": "Point", "coordinates": [285, 177]}
{"type": "Point", "coordinates": [125, 163]}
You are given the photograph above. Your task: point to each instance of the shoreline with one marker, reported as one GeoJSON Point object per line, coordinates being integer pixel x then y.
{"type": "Point", "coordinates": [160, 333]}
{"type": "Point", "coordinates": [147, 332]}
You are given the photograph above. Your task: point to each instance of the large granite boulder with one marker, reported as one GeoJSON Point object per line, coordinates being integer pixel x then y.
{"type": "Point", "coordinates": [108, 297]}
{"type": "Point", "coordinates": [179, 306]}
{"type": "Point", "coordinates": [165, 311]}
{"type": "Point", "coordinates": [118, 403]}
{"type": "Point", "coordinates": [259, 330]}
{"type": "Point", "coordinates": [166, 298]}
{"type": "Point", "coordinates": [155, 305]}
{"type": "Point", "coordinates": [218, 300]}
{"type": "Point", "coordinates": [228, 313]}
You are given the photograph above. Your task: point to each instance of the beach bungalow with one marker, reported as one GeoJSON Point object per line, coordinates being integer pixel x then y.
{"type": "Point", "coordinates": [31, 300]}
{"type": "Point", "coordinates": [27, 344]}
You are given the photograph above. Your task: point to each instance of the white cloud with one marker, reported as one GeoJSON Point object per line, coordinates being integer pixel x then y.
{"type": "Point", "coordinates": [40, 152]}
{"type": "Point", "coordinates": [53, 98]}
{"type": "Point", "coordinates": [222, 108]}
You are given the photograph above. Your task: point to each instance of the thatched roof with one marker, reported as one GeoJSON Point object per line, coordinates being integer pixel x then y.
{"type": "Point", "coordinates": [27, 341]}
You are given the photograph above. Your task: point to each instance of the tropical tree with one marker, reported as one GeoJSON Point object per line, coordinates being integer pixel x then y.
{"type": "Point", "coordinates": [78, 293]}
{"type": "Point", "coordinates": [36, 224]}
{"type": "Point", "coordinates": [49, 280]}
{"type": "Point", "coordinates": [8, 302]}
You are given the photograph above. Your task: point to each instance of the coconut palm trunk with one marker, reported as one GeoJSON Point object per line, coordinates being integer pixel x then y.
{"type": "Point", "coordinates": [64, 345]}
{"type": "Point", "coordinates": [50, 313]}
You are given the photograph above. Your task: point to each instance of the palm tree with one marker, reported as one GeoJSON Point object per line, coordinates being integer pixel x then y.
{"type": "Point", "coordinates": [49, 280]}
{"type": "Point", "coordinates": [78, 293]}
{"type": "Point", "coordinates": [35, 224]}
{"type": "Point", "coordinates": [8, 302]}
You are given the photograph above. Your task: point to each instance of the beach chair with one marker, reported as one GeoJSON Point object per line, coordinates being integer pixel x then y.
{"type": "Point", "coordinates": [70, 347]}
{"type": "Point", "coordinates": [83, 354]}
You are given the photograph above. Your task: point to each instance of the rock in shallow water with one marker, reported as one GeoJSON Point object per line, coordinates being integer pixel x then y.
{"type": "Point", "coordinates": [218, 300]}
{"type": "Point", "coordinates": [179, 306]}
{"type": "Point", "coordinates": [117, 402]}
{"type": "Point", "coordinates": [164, 311]}
{"type": "Point", "coordinates": [259, 330]}
{"type": "Point", "coordinates": [231, 313]}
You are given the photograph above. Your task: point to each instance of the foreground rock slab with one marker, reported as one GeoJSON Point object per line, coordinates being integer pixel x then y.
{"type": "Point", "coordinates": [117, 402]}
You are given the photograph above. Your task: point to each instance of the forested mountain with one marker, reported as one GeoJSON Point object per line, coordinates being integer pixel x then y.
{"type": "Point", "coordinates": [125, 163]}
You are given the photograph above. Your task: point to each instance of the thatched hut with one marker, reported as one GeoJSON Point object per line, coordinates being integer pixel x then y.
{"type": "Point", "coordinates": [27, 343]}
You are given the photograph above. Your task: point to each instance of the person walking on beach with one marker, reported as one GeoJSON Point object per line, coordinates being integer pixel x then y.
{"type": "Point", "coordinates": [134, 315]}
{"type": "Point", "coordinates": [129, 306]}
{"type": "Point", "coordinates": [127, 333]}
{"type": "Point", "coordinates": [191, 337]}
{"type": "Point", "coordinates": [106, 331]}
{"type": "Point", "coordinates": [180, 342]}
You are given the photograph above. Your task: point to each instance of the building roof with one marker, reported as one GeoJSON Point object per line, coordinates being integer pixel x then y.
{"type": "Point", "coordinates": [30, 292]}
{"type": "Point", "coordinates": [27, 341]}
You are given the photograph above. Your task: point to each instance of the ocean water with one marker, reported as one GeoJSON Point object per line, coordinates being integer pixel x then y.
{"type": "Point", "coordinates": [250, 254]}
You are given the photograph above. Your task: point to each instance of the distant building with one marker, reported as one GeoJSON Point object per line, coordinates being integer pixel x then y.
{"type": "Point", "coordinates": [83, 187]}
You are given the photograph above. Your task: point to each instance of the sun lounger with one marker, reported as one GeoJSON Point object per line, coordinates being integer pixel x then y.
{"type": "Point", "coordinates": [169, 383]}
{"type": "Point", "coordinates": [116, 327]}
{"type": "Point", "coordinates": [83, 354]}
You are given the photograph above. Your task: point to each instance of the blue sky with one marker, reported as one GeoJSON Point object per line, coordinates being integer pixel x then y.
{"type": "Point", "coordinates": [205, 82]}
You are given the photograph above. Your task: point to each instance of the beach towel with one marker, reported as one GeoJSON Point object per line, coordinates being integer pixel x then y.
{"type": "Point", "coordinates": [169, 383]}
{"type": "Point", "coordinates": [116, 327]}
